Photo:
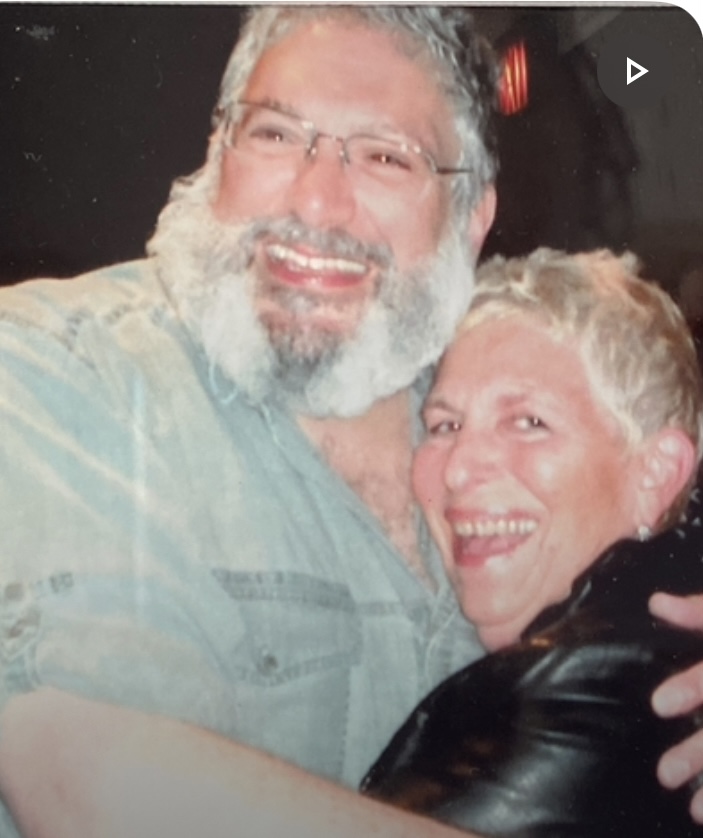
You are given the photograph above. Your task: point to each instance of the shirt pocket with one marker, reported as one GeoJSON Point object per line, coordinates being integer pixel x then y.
{"type": "Point", "coordinates": [292, 625]}
{"type": "Point", "coordinates": [291, 665]}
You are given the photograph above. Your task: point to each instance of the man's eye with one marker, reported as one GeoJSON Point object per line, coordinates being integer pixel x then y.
{"type": "Point", "coordinates": [270, 134]}
{"type": "Point", "coordinates": [261, 132]}
{"type": "Point", "coordinates": [381, 156]}
{"type": "Point", "coordinates": [385, 158]}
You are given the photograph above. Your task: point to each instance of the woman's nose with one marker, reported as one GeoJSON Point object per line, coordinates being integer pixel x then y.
{"type": "Point", "coordinates": [473, 460]}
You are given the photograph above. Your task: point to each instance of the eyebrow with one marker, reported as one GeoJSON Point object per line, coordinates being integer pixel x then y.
{"type": "Point", "coordinates": [275, 105]}
{"type": "Point", "coordinates": [516, 400]}
{"type": "Point", "coordinates": [380, 129]}
{"type": "Point", "coordinates": [509, 401]}
{"type": "Point", "coordinates": [437, 402]}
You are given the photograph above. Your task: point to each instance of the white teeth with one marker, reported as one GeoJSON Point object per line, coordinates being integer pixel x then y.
{"type": "Point", "coordinates": [495, 526]}
{"type": "Point", "coordinates": [317, 264]}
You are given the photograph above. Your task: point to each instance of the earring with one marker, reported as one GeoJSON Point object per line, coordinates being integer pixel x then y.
{"type": "Point", "coordinates": [644, 533]}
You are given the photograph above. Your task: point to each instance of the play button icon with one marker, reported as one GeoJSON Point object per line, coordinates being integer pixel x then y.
{"type": "Point", "coordinates": [634, 69]}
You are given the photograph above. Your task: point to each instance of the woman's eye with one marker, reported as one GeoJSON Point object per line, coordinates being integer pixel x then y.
{"type": "Point", "coordinates": [446, 426]}
{"type": "Point", "coordinates": [529, 423]}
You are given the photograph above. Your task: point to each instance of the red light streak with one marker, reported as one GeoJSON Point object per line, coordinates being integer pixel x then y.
{"type": "Point", "coordinates": [513, 90]}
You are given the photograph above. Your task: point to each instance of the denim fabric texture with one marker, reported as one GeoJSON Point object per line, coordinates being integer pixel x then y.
{"type": "Point", "coordinates": [169, 546]}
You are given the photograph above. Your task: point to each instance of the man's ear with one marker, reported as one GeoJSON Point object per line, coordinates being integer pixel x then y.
{"type": "Point", "coordinates": [481, 219]}
{"type": "Point", "coordinates": [668, 459]}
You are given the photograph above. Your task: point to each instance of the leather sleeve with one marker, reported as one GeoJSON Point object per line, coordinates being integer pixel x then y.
{"type": "Point", "coordinates": [554, 735]}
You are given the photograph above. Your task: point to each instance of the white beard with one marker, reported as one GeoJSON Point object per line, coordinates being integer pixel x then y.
{"type": "Point", "coordinates": [206, 267]}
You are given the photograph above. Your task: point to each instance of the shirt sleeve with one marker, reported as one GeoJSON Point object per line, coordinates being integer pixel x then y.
{"type": "Point", "coordinates": [92, 536]}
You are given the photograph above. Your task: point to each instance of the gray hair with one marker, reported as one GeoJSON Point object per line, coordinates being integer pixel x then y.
{"type": "Point", "coordinates": [636, 345]}
{"type": "Point", "coordinates": [444, 38]}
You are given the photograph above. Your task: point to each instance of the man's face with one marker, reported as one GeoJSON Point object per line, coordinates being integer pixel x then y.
{"type": "Point", "coordinates": [347, 80]}
{"type": "Point", "coordinates": [324, 283]}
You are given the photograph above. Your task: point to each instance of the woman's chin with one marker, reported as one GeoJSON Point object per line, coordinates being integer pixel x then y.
{"type": "Point", "coordinates": [495, 637]}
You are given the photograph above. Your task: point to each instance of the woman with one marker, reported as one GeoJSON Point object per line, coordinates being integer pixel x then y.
{"type": "Point", "coordinates": [565, 417]}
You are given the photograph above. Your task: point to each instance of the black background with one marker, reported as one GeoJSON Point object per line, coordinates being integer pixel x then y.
{"type": "Point", "coordinates": [102, 107]}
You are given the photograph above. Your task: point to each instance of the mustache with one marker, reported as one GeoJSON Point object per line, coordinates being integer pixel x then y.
{"type": "Point", "coordinates": [334, 242]}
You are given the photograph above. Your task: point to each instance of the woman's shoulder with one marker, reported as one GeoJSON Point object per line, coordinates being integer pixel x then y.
{"type": "Point", "coordinates": [611, 597]}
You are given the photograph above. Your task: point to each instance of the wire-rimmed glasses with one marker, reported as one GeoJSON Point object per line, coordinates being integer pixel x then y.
{"type": "Point", "coordinates": [272, 134]}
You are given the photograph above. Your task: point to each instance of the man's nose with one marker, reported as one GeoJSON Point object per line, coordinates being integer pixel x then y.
{"type": "Point", "coordinates": [473, 460]}
{"type": "Point", "coordinates": [322, 194]}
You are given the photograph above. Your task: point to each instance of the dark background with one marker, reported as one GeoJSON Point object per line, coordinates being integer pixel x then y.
{"type": "Point", "coordinates": [102, 106]}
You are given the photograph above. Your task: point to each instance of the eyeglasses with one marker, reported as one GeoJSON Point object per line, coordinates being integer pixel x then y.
{"type": "Point", "coordinates": [271, 134]}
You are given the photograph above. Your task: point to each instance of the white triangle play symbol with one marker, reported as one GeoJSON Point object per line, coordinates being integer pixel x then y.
{"type": "Point", "coordinates": [630, 65]}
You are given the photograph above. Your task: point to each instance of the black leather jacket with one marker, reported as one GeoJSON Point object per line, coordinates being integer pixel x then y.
{"type": "Point", "coordinates": [553, 737]}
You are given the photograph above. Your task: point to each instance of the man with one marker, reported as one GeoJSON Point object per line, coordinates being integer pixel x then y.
{"type": "Point", "coordinates": [206, 510]}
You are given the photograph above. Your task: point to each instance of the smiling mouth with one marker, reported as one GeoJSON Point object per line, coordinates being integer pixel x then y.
{"type": "Point", "coordinates": [291, 266]}
{"type": "Point", "coordinates": [486, 528]}
{"type": "Point", "coordinates": [480, 539]}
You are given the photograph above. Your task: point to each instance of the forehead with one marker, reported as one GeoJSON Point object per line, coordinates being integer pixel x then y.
{"type": "Point", "coordinates": [520, 356]}
{"type": "Point", "coordinates": [337, 71]}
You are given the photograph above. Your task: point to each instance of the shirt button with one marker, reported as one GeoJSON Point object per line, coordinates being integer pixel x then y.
{"type": "Point", "coordinates": [267, 662]}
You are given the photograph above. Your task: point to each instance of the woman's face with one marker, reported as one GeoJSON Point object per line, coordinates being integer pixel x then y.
{"type": "Point", "coordinates": [524, 475]}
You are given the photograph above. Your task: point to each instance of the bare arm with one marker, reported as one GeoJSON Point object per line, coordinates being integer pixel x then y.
{"type": "Point", "coordinates": [680, 694]}
{"type": "Point", "coordinates": [70, 767]}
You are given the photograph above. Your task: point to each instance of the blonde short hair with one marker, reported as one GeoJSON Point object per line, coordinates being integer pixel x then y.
{"type": "Point", "coordinates": [637, 347]}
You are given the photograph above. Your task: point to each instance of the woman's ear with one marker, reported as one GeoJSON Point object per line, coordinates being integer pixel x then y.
{"type": "Point", "coordinates": [667, 461]}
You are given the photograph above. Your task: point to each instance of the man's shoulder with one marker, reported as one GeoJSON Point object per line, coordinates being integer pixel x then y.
{"type": "Point", "coordinates": [81, 312]}
{"type": "Point", "coordinates": [95, 331]}
{"type": "Point", "coordinates": [97, 291]}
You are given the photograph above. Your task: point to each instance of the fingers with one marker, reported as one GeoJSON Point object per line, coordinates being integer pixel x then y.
{"type": "Point", "coordinates": [679, 694]}
{"type": "Point", "coordinates": [696, 807]}
{"type": "Point", "coordinates": [681, 764]}
{"type": "Point", "coordinates": [682, 692]}
{"type": "Point", "coordinates": [686, 612]}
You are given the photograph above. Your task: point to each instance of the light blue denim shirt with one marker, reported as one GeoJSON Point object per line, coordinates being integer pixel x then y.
{"type": "Point", "coordinates": [168, 546]}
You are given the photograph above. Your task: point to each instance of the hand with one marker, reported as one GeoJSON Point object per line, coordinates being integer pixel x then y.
{"type": "Point", "coordinates": [681, 694]}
